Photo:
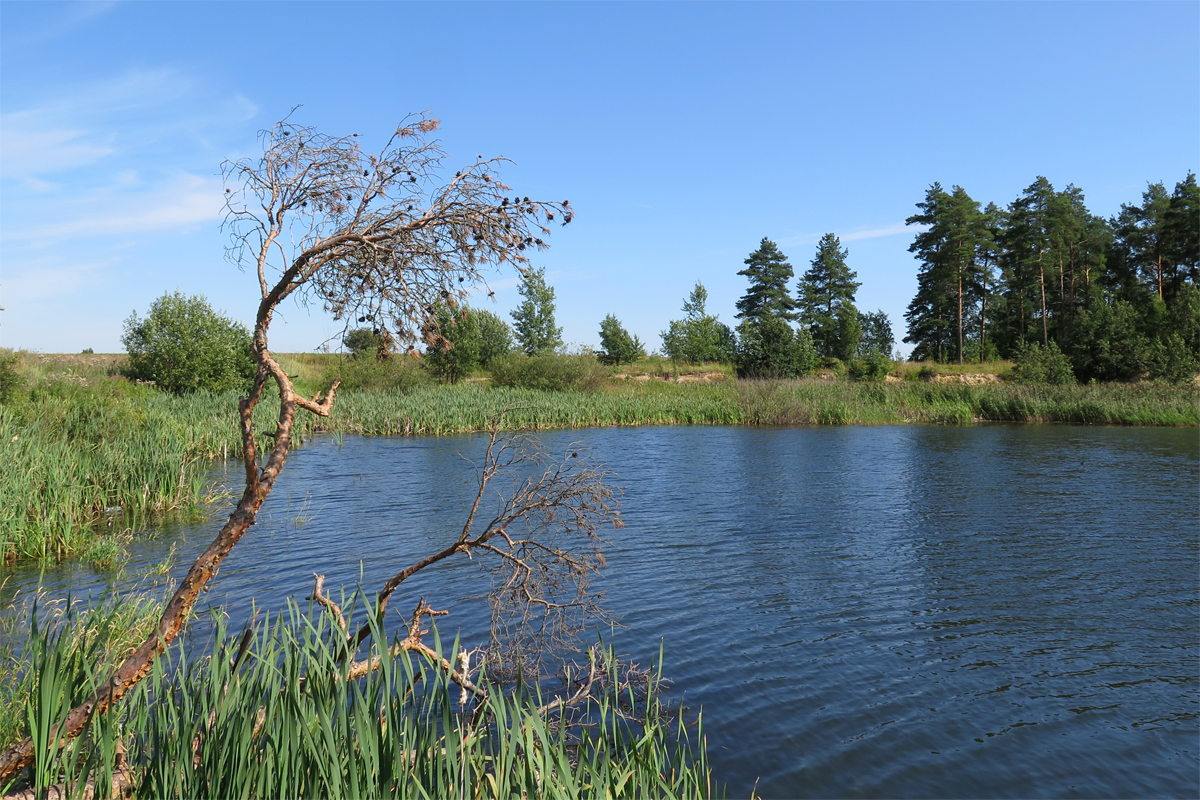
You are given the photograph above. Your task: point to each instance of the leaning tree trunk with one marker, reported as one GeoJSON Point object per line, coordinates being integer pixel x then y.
{"type": "Point", "coordinates": [259, 482]}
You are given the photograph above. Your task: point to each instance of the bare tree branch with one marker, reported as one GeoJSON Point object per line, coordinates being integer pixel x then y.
{"type": "Point", "coordinates": [371, 236]}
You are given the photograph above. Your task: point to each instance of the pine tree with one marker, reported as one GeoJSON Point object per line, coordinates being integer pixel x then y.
{"type": "Point", "coordinates": [949, 248]}
{"type": "Point", "coordinates": [533, 319]}
{"type": "Point", "coordinates": [769, 272]}
{"type": "Point", "coordinates": [827, 285]}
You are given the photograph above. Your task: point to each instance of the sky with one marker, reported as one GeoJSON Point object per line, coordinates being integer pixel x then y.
{"type": "Point", "coordinates": [682, 134]}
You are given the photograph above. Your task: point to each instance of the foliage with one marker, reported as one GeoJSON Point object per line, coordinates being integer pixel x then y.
{"type": "Point", "coordinates": [824, 289]}
{"type": "Point", "coordinates": [955, 235]}
{"type": "Point", "coordinates": [552, 372]}
{"type": "Point", "coordinates": [769, 348]}
{"type": "Point", "coordinates": [768, 271]}
{"type": "Point", "coordinates": [12, 383]}
{"type": "Point", "coordinates": [1042, 365]}
{"type": "Point", "coordinates": [872, 367]}
{"type": "Point", "coordinates": [401, 374]}
{"type": "Point", "coordinates": [274, 715]}
{"type": "Point", "coordinates": [877, 334]}
{"type": "Point", "coordinates": [369, 343]}
{"type": "Point", "coordinates": [616, 345]}
{"type": "Point", "coordinates": [533, 319]}
{"type": "Point", "coordinates": [699, 336]}
{"type": "Point", "coordinates": [183, 345]}
{"type": "Point", "coordinates": [495, 337]}
{"type": "Point", "coordinates": [848, 332]}
{"type": "Point", "coordinates": [453, 347]}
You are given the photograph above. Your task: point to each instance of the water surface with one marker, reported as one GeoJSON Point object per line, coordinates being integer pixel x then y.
{"type": "Point", "coordinates": [994, 611]}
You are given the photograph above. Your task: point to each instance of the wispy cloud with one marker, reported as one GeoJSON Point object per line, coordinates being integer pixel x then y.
{"type": "Point", "coordinates": [855, 236]}
{"type": "Point", "coordinates": [27, 283]}
{"type": "Point", "coordinates": [175, 203]}
{"type": "Point", "coordinates": [876, 233]}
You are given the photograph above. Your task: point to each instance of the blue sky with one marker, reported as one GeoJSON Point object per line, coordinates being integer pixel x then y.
{"type": "Point", "coordinates": [682, 133]}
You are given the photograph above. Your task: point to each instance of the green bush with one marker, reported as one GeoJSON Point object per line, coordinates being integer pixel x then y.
{"type": "Point", "coordinates": [454, 354]}
{"type": "Point", "coordinates": [495, 337]}
{"type": "Point", "coordinates": [553, 372]}
{"type": "Point", "coordinates": [183, 345]}
{"type": "Point", "coordinates": [617, 346]}
{"type": "Point", "coordinates": [769, 348]}
{"type": "Point", "coordinates": [872, 367]}
{"type": "Point", "coordinates": [401, 374]}
{"type": "Point", "coordinates": [368, 343]}
{"type": "Point", "coordinates": [1035, 364]}
{"type": "Point", "coordinates": [11, 382]}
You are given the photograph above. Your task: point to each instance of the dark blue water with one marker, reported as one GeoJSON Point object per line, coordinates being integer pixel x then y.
{"type": "Point", "coordinates": [1000, 611]}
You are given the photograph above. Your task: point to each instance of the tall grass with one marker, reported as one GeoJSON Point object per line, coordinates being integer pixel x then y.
{"type": "Point", "coordinates": [282, 720]}
{"type": "Point", "coordinates": [95, 638]}
{"type": "Point", "coordinates": [84, 457]}
{"type": "Point", "coordinates": [75, 455]}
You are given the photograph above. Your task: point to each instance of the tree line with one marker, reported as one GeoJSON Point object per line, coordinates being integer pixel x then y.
{"type": "Point", "coordinates": [1045, 279]}
{"type": "Point", "coordinates": [1066, 294]}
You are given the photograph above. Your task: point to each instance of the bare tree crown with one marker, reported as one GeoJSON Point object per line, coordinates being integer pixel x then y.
{"type": "Point", "coordinates": [375, 237]}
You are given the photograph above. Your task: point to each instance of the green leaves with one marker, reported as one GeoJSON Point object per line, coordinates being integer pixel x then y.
{"type": "Point", "coordinates": [183, 346]}
{"type": "Point", "coordinates": [534, 317]}
{"type": "Point", "coordinates": [617, 345]}
{"type": "Point", "coordinates": [768, 270]}
{"type": "Point", "coordinates": [698, 337]}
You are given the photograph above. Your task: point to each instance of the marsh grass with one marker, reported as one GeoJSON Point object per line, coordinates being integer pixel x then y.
{"type": "Point", "coordinates": [86, 457]}
{"type": "Point", "coordinates": [282, 720]}
{"type": "Point", "coordinates": [86, 639]}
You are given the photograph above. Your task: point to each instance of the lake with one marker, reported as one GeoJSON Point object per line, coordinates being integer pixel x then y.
{"type": "Point", "coordinates": [903, 611]}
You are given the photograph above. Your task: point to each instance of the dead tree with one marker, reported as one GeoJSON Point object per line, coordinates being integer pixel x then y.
{"type": "Point", "coordinates": [377, 238]}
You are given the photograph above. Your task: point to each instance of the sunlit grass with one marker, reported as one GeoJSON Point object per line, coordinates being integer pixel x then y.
{"type": "Point", "coordinates": [283, 720]}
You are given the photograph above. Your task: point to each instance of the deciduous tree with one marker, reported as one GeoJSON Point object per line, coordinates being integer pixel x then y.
{"type": "Point", "coordinates": [534, 317]}
{"type": "Point", "coordinates": [184, 345]}
{"type": "Point", "coordinates": [699, 336]}
{"type": "Point", "coordinates": [616, 345]}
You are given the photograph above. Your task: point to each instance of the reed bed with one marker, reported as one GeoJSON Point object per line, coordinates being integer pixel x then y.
{"type": "Point", "coordinates": [83, 461]}
{"type": "Point", "coordinates": [281, 719]}
{"type": "Point", "coordinates": [78, 461]}
{"type": "Point", "coordinates": [93, 638]}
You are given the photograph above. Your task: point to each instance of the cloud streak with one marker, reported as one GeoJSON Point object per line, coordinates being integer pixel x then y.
{"type": "Point", "coordinates": [857, 236]}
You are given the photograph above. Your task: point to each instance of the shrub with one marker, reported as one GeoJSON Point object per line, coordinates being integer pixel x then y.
{"type": "Point", "coordinates": [495, 338]}
{"type": "Point", "coordinates": [11, 382]}
{"type": "Point", "coordinates": [873, 367]}
{"type": "Point", "coordinates": [401, 374]}
{"type": "Point", "coordinates": [183, 345]}
{"type": "Point", "coordinates": [368, 343]}
{"type": "Point", "coordinates": [1042, 365]}
{"type": "Point", "coordinates": [769, 348]}
{"type": "Point", "coordinates": [618, 347]}
{"type": "Point", "coordinates": [453, 352]}
{"type": "Point", "coordinates": [553, 372]}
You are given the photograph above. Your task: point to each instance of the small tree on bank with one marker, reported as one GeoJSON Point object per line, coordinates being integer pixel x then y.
{"type": "Point", "coordinates": [769, 348]}
{"type": "Point", "coordinates": [699, 336]}
{"type": "Point", "coordinates": [534, 318]}
{"type": "Point", "coordinates": [453, 343]}
{"type": "Point", "coordinates": [183, 345]}
{"type": "Point", "coordinates": [616, 345]}
{"type": "Point", "coordinates": [495, 337]}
